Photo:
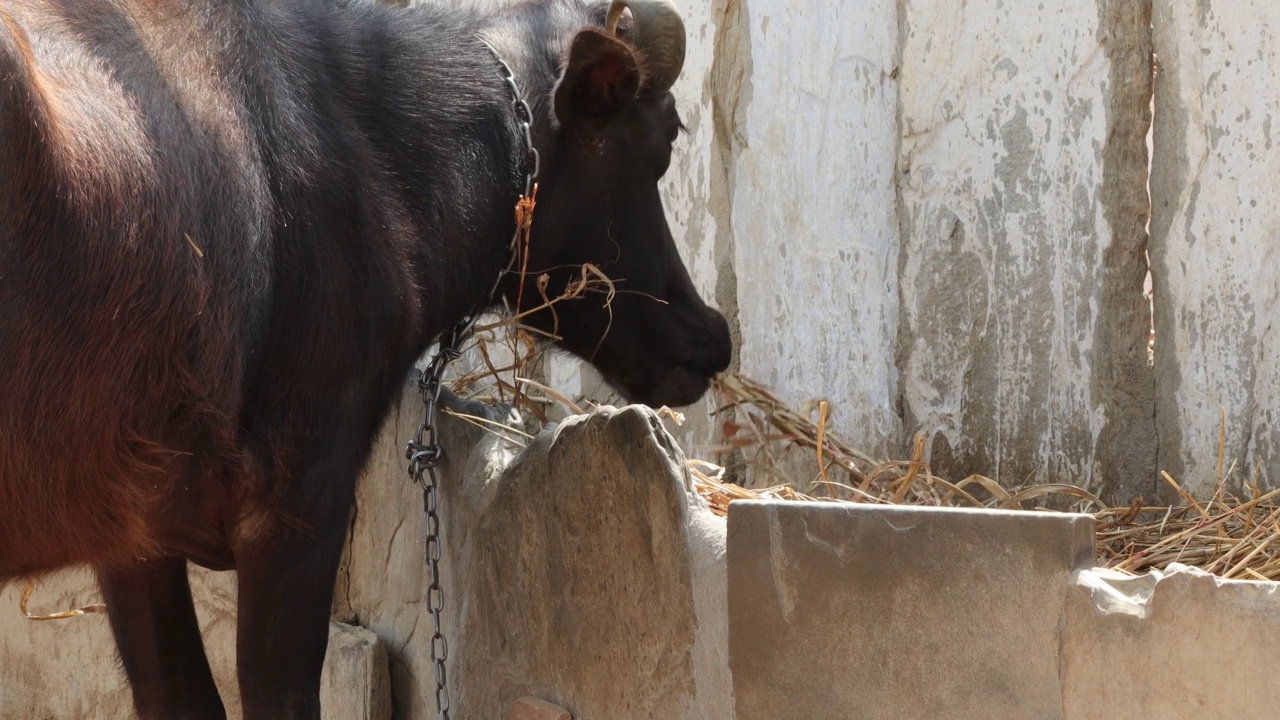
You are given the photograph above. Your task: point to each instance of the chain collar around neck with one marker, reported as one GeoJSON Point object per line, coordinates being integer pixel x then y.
{"type": "Point", "coordinates": [424, 452]}
{"type": "Point", "coordinates": [452, 338]}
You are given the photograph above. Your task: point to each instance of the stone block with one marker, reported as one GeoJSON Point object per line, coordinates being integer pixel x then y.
{"type": "Point", "coordinates": [582, 580]}
{"type": "Point", "coordinates": [840, 611]}
{"type": "Point", "coordinates": [582, 568]}
{"type": "Point", "coordinates": [1177, 644]}
{"type": "Point", "coordinates": [356, 682]}
{"type": "Point", "coordinates": [68, 669]}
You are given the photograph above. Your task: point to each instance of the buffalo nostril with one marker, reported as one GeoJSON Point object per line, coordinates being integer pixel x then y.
{"type": "Point", "coordinates": [716, 349]}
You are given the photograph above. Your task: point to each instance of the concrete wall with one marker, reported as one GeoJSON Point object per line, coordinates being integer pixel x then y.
{"type": "Point", "coordinates": [1215, 227]}
{"type": "Point", "coordinates": [1022, 208]}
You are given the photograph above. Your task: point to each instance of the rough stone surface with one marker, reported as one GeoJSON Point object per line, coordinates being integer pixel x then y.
{"type": "Point", "coordinates": [808, 149]}
{"type": "Point", "coordinates": [527, 708]}
{"type": "Point", "coordinates": [898, 613]}
{"type": "Point", "coordinates": [593, 577]}
{"type": "Point", "coordinates": [1180, 644]}
{"type": "Point", "coordinates": [1214, 228]}
{"type": "Point", "coordinates": [68, 669]}
{"type": "Point", "coordinates": [59, 669]}
{"type": "Point", "coordinates": [583, 553]}
{"type": "Point", "coordinates": [1022, 335]}
{"type": "Point", "coordinates": [356, 682]}
{"type": "Point", "coordinates": [1123, 380]}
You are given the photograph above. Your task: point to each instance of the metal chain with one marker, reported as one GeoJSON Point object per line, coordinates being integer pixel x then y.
{"type": "Point", "coordinates": [533, 161]}
{"type": "Point", "coordinates": [424, 452]}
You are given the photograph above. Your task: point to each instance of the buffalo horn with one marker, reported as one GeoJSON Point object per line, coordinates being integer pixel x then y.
{"type": "Point", "coordinates": [659, 35]}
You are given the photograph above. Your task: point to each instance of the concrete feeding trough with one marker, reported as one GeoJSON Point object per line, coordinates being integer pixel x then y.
{"type": "Point", "coordinates": [843, 610]}
{"type": "Point", "coordinates": [589, 577]}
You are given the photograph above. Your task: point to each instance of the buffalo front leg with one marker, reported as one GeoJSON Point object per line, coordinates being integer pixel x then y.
{"type": "Point", "coordinates": [285, 596]}
{"type": "Point", "coordinates": [154, 623]}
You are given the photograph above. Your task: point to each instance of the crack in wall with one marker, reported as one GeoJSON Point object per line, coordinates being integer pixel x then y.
{"type": "Point", "coordinates": [1123, 382]}
{"type": "Point", "coordinates": [729, 83]}
{"type": "Point", "coordinates": [901, 346]}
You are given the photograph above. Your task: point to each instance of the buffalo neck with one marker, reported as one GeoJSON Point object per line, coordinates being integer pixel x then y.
{"type": "Point", "coordinates": [450, 137]}
{"type": "Point", "coordinates": [418, 135]}
{"type": "Point", "coordinates": [441, 120]}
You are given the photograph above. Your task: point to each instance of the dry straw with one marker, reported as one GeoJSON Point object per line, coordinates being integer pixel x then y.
{"type": "Point", "coordinates": [1227, 535]}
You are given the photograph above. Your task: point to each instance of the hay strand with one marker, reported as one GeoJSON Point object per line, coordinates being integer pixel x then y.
{"type": "Point", "coordinates": [97, 609]}
{"type": "Point", "coordinates": [1227, 535]}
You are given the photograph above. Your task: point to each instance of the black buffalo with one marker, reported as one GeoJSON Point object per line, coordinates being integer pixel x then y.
{"type": "Point", "coordinates": [228, 228]}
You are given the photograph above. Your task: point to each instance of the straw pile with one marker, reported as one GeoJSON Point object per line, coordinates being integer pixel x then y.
{"type": "Point", "coordinates": [1229, 536]}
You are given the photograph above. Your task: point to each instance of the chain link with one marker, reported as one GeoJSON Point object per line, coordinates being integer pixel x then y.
{"type": "Point", "coordinates": [524, 116]}
{"type": "Point", "coordinates": [424, 452]}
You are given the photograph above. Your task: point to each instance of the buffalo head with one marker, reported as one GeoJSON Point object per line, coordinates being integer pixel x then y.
{"type": "Point", "coordinates": [606, 139]}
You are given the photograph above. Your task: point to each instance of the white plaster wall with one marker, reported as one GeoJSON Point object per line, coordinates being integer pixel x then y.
{"type": "Point", "coordinates": [811, 159]}
{"type": "Point", "coordinates": [1005, 139]}
{"type": "Point", "coordinates": [1215, 227]}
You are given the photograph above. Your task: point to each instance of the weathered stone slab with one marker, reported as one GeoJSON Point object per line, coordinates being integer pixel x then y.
{"type": "Point", "coordinates": [839, 611]}
{"type": "Point", "coordinates": [582, 570]}
{"type": "Point", "coordinates": [1166, 645]}
{"type": "Point", "coordinates": [581, 582]}
{"type": "Point", "coordinates": [68, 669]}
{"type": "Point", "coordinates": [356, 682]}
{"type": "Point", "coordinates": [1215, 224]}
{"type": "Point", "coordinates": [1022, 170]}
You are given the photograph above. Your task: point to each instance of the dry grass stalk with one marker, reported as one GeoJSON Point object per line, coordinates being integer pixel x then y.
{"type": "Point", "coordinates": [520, 344]}
{"type": "Point", "coordinates": [78, 612]}
{"type": "Point", "coordinates": [1225, 535]}
{"type": "Point", "coordinates": [768, 419]}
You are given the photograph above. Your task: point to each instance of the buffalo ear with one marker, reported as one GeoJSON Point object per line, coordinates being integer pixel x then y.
{"type": "Point", "coordinates": [600, 79]}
